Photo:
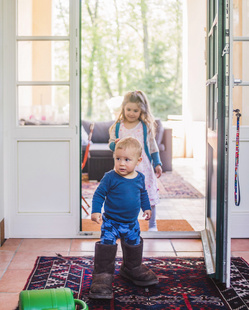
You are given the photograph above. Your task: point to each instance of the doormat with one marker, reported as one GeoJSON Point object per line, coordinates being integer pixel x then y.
{"type": "Point", "coordinates": [183, 284]}
{"type": "Point", "coordinates": [162, 225]}
{"type": "Point", "coordinates": [171, 186]}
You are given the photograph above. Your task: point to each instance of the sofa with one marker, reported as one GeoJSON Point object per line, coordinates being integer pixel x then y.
{"type": "Point", "coordinates": [100, 157]}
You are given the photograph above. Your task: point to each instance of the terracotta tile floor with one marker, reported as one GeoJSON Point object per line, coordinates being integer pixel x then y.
{"type": "Point", "coordinates": [17, 257]}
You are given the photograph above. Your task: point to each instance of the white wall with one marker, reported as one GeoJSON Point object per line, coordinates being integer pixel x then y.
{"type": "Point", "coordinates": [1, 112]}
{"type": "Point", "coordinates": [239, 215]}
{"type": "Point", "coordinates": [194, 78]}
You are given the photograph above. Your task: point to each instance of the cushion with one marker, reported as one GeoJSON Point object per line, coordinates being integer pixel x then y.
{"type": "Point", "coordinates": [84, 136]}
{"type": "Point", "coordinates": [161, 147]}
{"type": "Point", "coordinates": [100, 130]}
{"type": "Point", "coordinates": [159, 132]}
{"type": "Point", "coordinates": [100, 150]}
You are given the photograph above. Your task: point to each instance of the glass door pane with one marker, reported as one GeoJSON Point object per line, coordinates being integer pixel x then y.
{"type": "Point", "coordinates": [43, 71]}
{"type": "Point", "coordinates": [43, 18]}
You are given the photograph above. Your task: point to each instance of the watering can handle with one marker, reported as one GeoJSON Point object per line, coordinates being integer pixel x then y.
{"type": "Point", "coordinates": [81, 303]}
{"type": "Point", "coordinates": [77, 302]}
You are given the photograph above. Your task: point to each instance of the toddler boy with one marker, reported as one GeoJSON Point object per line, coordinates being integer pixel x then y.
{"type": "Point", "coordinates": [123, 193]}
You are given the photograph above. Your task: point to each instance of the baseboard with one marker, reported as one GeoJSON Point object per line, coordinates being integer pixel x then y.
{"type": "Point", "coordinates": [2, 238]}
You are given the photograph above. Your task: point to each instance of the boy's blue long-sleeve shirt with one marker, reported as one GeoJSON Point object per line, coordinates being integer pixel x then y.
{"type": "Point", "coordinates": [123, 198]}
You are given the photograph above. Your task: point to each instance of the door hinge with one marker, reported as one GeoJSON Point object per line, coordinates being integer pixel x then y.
{"type": "Point", "coordinates": [226, 144]}
{"type": "Point", "coordinates": [225, 50]}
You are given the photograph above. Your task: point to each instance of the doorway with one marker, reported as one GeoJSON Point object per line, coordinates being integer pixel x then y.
{"type": "Point", "coordinates": [188, 131]}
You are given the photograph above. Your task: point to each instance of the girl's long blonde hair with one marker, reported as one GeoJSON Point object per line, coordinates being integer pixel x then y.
{"type": "Point", "coordinates": [140, 98]}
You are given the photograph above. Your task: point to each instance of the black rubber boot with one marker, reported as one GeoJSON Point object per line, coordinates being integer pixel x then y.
{"type": "Point", "coordinates": [132, 267]}
{"type": "Point", "coordinates": [104, 266]}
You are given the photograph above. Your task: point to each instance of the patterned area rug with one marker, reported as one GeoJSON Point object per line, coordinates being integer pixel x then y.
{"type": "Point", "coordinates": [170, 184]}
{"type": "Point", "coordinates": [237, 296]}
{"type": "Point", "coordinates": [183, 284]}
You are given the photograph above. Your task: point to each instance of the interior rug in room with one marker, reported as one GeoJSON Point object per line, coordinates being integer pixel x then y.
{"type": "Point", "coordinates": [183, 284]}
{"type": "Point", "coordinates": [170, 184]}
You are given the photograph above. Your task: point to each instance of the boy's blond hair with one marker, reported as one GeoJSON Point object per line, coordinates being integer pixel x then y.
{"type": "Point", "coordinates": [130, 142]}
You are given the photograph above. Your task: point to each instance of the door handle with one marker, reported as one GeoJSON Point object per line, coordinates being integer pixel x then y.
{"type": "Point", "coordinates": [211, 81]}
{"type": "Point", "coordinates": [239, 82]}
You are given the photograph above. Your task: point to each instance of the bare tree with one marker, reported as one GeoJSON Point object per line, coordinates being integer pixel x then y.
{"type": "Point", "coordinates": [119, 62]}
{"type": "Point", "coordinates": [144, 9]}
{"type": "Point", "coordinates": [93, 17]}
{"type": "Point", "coordinates": [178, 43]}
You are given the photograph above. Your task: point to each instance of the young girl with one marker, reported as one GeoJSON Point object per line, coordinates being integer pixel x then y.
{"type": "Point", "coordinates": [136, 120]}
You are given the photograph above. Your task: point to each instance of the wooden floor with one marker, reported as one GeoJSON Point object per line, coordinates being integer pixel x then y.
{"type": "Point", "coordinates": [17, 257]}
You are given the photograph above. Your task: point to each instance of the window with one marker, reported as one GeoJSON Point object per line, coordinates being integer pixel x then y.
{"type": "Point", "coordinates": [43, 71]}
{"type": "Point", "coordinates": [240, 59]}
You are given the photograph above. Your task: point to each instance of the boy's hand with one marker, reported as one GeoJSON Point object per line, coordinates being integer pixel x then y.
{"type": "Point", "coordinates": [147, 214]}
{"type": "Point", "coordinates": [159, 171]}
{"type": "Point", "coordinates": [96, 217]}
{"type": "Point", "coordinates": [116, 141]}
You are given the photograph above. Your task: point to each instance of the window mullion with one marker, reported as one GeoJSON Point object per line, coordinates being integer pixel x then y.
{"type": "Point", "coordinates": [43, 38]}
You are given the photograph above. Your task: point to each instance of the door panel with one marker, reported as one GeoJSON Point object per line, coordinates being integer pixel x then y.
{"type": "Point", "coordinates": [43, 176]}
{"type": "Point", "coordinates": [215, 235]}
{"type": "Point", "coordinates": [41, 100]}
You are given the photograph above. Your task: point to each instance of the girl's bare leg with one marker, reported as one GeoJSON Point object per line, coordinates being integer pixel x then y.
{"type": "Point", "coordinates": [152, 221]}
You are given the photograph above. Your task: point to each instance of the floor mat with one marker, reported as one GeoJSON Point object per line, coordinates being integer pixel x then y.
{"type": "Point", "coordinates": [183, 284]}
{"type": "Point", "coordinates": [162, 225]}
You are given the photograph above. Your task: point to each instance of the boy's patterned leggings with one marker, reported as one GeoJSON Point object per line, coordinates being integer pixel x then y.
{"type": "Point", "coordinates": [112, 230]}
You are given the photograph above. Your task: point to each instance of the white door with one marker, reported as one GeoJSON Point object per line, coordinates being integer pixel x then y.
{"type": "Point", "coordinates": [41, 103]}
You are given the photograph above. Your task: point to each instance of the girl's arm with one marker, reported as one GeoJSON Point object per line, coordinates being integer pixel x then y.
{"type": "Point", "coordinates": [153, 147]}
{"type": "Point", "coordinates": [154, 153]}
{"type": "Point", "coordinates": [156, 159]}
{"type": "Point", "coordinates": [158, 170]}
{"type": "Point", "coordinates": [112, 138]}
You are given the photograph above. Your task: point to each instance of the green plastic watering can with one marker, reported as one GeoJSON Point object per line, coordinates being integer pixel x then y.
{"type": "Point", "coordinates": [50, 299]}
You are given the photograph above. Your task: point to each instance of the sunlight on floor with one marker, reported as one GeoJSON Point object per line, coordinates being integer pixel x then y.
{"type": "Point", "coordinates": [192, 210]}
